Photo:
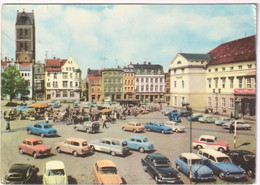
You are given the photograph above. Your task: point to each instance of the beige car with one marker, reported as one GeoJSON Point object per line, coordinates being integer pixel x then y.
{"type": "Point", "coordinates": [134, 127]}
{"type": "Point", "coordinates": [75, 146]}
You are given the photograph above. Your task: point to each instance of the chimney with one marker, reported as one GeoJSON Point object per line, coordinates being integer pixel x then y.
{"type": "Point", "coordinates": [54, 57]}
{"type": "Point", "coordinates": [149, 63]}
{"type": "Point", "coordinates": [144, 62]}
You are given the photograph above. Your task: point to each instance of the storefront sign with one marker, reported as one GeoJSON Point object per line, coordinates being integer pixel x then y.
{"type": "Point", "coordinates": [244, 91]}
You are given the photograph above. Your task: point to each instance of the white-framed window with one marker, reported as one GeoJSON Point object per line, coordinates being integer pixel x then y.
{"type": "Point", "coordinates": [142, 88]}
{"type": "Point", "coordinates": [223, 69]}
{"type": "Point", "coordinates": [65, 84]}
{"type": "Point", "coordinates": [175, 84]}
{"type": "Point", "coordinates": [92, 90]}
{"type": "Point", "coordinates": [151, 80]}
{"type": "Point", "coordinates": [216, 83]}
{"type": "Point", "coordinates": [137, 88]}
{"type": "Point", "coordinates": [151, 88]}
{"type": "Point", "coordinates": [161, 88]}
{"type": "Point", "coordinates": [249, 66]}
{"type": "Point", "coordinates": [240, 83]}
{"type": "Point", "coordinates": [55, 75]}
{"type": "Point", "coordinates": [48, 84]}
{"type": "Point", "coordinates": [147, 87]}
{"type": "Point", "coordinates": [65, 94]}
{"type": "Point", "coordinates": [209, 80]}
{"type": "Point", "coordinates": [231, 103]}
{"type": "Point", "coordinates": [240, 67]}
{"type": "Point", "coordinates": [248, 83]}
{"type": "Point", "coordinates": [156, 88]}
{"type": "Point", "coordinates": [216, 101]}
{"type": "Point", "coordinates": [209, 70]}
{"type": "Point", "coordinates": [216, 69]}
{"type": "Point", "coordinates": [231, 80]}
{"type": "Point", "coordinates": [223, 82]}
{"type": "Point", "coordinates": [231, 68]}
{"type": "Point", "coordinates": [182, 83]}
{"type": "Point", "coordinates": [223, 102]}
{"type": "Point", "coordinates": [58, 94]}
{"type": "Point", "coordinates": [71, 94]}
{"type": "Point", "coordinates": [175, 100]}
{"type": "Point", "coordinates": [55, 84]}
{"type": "Point", "coordinates": [209, 101]}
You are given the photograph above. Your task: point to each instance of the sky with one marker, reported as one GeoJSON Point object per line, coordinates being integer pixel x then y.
{"type": "Point", "coordinates": [108, 35]}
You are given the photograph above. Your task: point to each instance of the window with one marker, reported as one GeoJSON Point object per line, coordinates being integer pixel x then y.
{"type": "Point", "coordinates": [182, 71]}
{"type": "Point", "coordinates": [161, 88]}
{"type": "Point", "coordinates": [137, 80]}
{"type": "Point", "coordinates": [142, 88]}
{"type": "Point", "coordinates": [151, 80]}
{"type": "Point", "coordinates": [174, 71]}
{"type": "Point", "coordinates": [21, 31]}
{"type": "Point", "coordinates": [161, 80]}
{"type": "Point", "coordinates": [125, 81]}
{"type": "Point", "coordinates": [142, 80]}
{"type": "Point", "coordinates": [76, 84]}
{"type": "Point", "coordinates": [70, 75]}
{"type": "Point", "coordinates": [71, 84]}
{"type": "Point", "coordinates": [55, 75]}
{"type": "Point", "coordinates": [48, 84]}
{"type": "Point", "coordinates": [223, 102]}
{"type": "Point", "coordinates": [156, 88]}
{"type": "Point", "coordinates": [209, 101]}
{"type": "Point", "coordinates": [209, 70]}
{"type": "Point", "coordinates": [223, 82]}
{"type": "Point", "coordinates": [156, 80]}
{"type": "Point", "coordinates": [231, 103]}
{"type": "Point", "coordinates": [239, 67]}
{"type": "Point", "coordinates": [223, 69]}
{"type": "Point", "coordinates": [216, 69]}
{"type": "Point", "coordinates": [209, 83]}
{"type": "Point", "coordinates": [147, 80]}
{"type": "Point", "coordinates": [92, 90]}
{"type": "Point", "coordinates": [179, 62]}
{"type": "Point", "coordinates": [216, 83]}
{"type": "Point", "coordinates": [55, 84]}
{"type": "Point", "coordinates": [231, 68]}
{"type": "Point", "coordinates": [216, 101]}
{"type": "Point", "coordinates": [137, 88]}
{"type": "Point", "coordinates": [65, 75]}
{"type": "Point", "coordinates": [175, 100]}
{"type": "Point", "coordinates": [71, 94]}
{"type": "Point", "coordinates": [147, 87]}
{"type": "Point", "coordinates": [65, 94]}
{"type": "Point", "coordinates": [248, 83]}
{"type": "Point", "coordinates": [249, 66]}
{"type": "Point", "coordinates": [151, 88]}
{"type": "Point", "coordinates": [65, 84]}
{"type": "Point", "coordinates": [182, 83]}
{"type": "Point", "coordinates": [231, 82]}
{"type": "Point", "coordinates": [175, 84]}
{"type": "Point", "coordinates": [240, 83]}
{"type": "Point", "coordinates": [58, 94]}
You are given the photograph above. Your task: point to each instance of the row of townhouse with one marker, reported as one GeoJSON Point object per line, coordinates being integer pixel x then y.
{"type": "Point", "coordinates": [144, 82]}
{"type": "Point", "coordinates": [215, 80]}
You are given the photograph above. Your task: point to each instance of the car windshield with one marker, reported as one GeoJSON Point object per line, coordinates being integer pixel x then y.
{"type": "Point", "coordinates": [37, 142]}
{"type": "Point", "coordinates": [249, 157]}
{"type": "Point", "coordinates": [226, 119]}
{"type": "Point", "coordinates": [145, 140]}
{"type": "Point", "coordinates": [108, 170]}
{"type": "Point", "coordinates": [124, 143]}
{"type": "Point", "coordinates": [196, 161]}
{"type": "Point", "coordinates": [14, 177]}
{"type": "Point", "coordinates": [162, 163]}
{"type": "Point", "coordinates": [84, 143]}
{"type": "Point", "coordinates": [115, 143]}
{"type": "Point", "coordinates": [138, 124]}
{"type": "Point", "coordinates": [223, 159]}
{"type": "Point", "coordinates": [56, 172]}
{"type": "Point", "coordinates": [47, 126]}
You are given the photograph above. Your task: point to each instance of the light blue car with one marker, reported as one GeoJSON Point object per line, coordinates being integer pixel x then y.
{"type": "Point", "coordinates": [157, 127]}
{"type": "Point", "coordinates": [42, 129]}
{"type": "Point", "coordinates": [140, 143]}
{"type": "Point", "coordinates": [199, 170]}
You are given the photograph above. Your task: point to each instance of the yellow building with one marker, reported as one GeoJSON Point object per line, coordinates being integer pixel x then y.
{"type": "Point", "coordinates": [129, 82]}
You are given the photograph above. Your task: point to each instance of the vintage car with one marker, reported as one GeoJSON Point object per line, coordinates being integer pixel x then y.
{"type": "Point", "coordinates": [133, 126]}
{"type": "Point", "coordinates": [199, 170]}
{"type": "Point", "coordinates": [139, 143]}
{"type": "Point", "coordinates": [73, 145]}
{"type": "Point", "coordinates": [207, 141]}
{"type": "Point", "coordinates": [159, 167]}
{"type": "Point", "coordinates": [207, 119]}
{"type": "Point", "coordinates": [157, 127]}
{"type": "Point", "coordinates": [56, 104]}
{"type": "Point", "coordinates": [194, 117]}
{"type": "Point", "coordinates": [110, 145]}
{"type": "Point", "coordinates": [21, 174]}
{"type": "Point", "coordinates": [105, 172]}
{"type": "Point", "coordinates": [184, 113]}
{"type": "Point", "coordinates": [222, 121]}
{"type": "Point", "coordinates": [240, 124]}
{"type": "Point", "coordinates": [176, 127]}
{"type": "Point", "coordinates": [174, 116]}
{"type": "Point", "coordinates": [21, 108]}
{"type": "Point", "coordinates": [42, 129]}
{"type": "Point", "coordinates": [167, 110]}
{"type": "Point", "coordinates": [244, 159]}
{"type": "Point", "coordinates": [34, 146]}
{"type": "Point", "coordinates": [54, 173]}
{"type": "Point", "coordinates": [221, 164]}
{"type": "Point", "coordinates": [88, 126]}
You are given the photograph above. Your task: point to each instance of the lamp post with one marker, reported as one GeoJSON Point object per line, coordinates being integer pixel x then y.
{"type": "Point", "coordinates": [216, 93]}
{"type": "Point", "coordinates": [236, 111]}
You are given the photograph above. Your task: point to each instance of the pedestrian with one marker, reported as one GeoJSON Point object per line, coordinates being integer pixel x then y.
{"type": "Point", "coordinates": [104, 123]}
{"type": "Point", "coordinates": [231, 115]}
{"type": "Point", "coordinates": [231, 128]}
{"type": "Point", "coordinates": [8, 126]}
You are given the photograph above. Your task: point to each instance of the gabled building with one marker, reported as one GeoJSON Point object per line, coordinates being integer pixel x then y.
{"type": "Point", "coordinates": [39, 79]}
{"type": "Point", "coordinates": [95, 85]}
{"type": "Point", "coordinates": [62, 79]}
{"type": "Point", "coordinates": [129, 82]}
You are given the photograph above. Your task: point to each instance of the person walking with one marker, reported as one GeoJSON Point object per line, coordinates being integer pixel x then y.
{"type": "Point", "coordinates": [231, 128]}
{"type": "Point", "coordinates": [104, 123]}
{"type": "Point", "coordinates": [8, 127]}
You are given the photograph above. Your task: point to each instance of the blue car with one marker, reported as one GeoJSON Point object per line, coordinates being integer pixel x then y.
{"type": "Point", "coordinates": [157, 127]}
{"type": "Point", "coordinates": [174, 116]}
{"type": "Point", "coordinates": [140, 143]}
{"type": "Point", "coordinates": [199, 170]}
{"type": "Point", "coordinates": [56, 104]}
{"type": "Point", "coordinates": [21, 108]}
{"type": "Point", "coordinates": [42, 129]}
{"type": "Point", "coordinates": [221, 164]}
{"type": "Point", "coordinates": [194, 117]}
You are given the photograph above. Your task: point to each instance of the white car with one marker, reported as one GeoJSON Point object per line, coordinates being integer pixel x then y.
{"type": "Point", "coordinates": [222, 120]}
{"type": "Point", "coordinates": [176, 127]}
{"type": "Point", "coordinates": [240, 124]}
{"type": "Point", "coordinates": [54, 173]}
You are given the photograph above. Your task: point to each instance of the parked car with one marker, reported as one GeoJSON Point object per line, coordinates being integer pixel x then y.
{"type": "Point", "coordinates": [159, 167]}
{"type": "Point", "coordinates": [35, 147]}
{"type": "Point", "coordinates": [133, 126]}
{"type": "Point", "coordinates": [176, 127]}
{"type": "Point", "coordinates": [222, 121]}
{"type": "Point", "coordinates": [54, 173]}
{"type": "Point", "coordinates": [21, 174]}
{"type": "Point", "coordinates": [56, 104]}
{"type": "Point", "coordinates": [73, 145]}
{"type": "Point", "coordinates": [194, 117]}
{"type": "Point", "coordinates": [174, 116]}
{"type": "Point", "coordinates": [88, 126]}
{"type": "Point", "coordinates": [221, 164]}
{"type": "Point", "coordinates": [110, 145]}
{"type": "Point", "coordinates": [244, 159]}
{"type": "Point", "coordinates": [167, 110]}
{"type": "Point", "coordinates": [140, 143]}
{"type": "Point", "coordinates": [105, 172]}
{"type": "Point", "coordinates": [207, 141]}
{"type": "Point", "coordinates": [42, 129]}
{"type": "Point", "coordinates": [207, 119]}
{"type": "Point", "coordinates": [49, 103]}
{"type": "Point", "coordinates": [184, 113]}
{"type": "Point", "coordinates": [21, 108]}
{"type": "Point", "coordinates": [240, 124]}
{"type": "Point", "coordinates": [199, 170]}
{"type": "Point", "coordinates": [157, 127]}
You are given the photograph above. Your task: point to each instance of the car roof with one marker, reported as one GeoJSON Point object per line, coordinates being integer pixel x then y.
{"type": "Point", "coordinates": [50, 165]}
{"type": "Point", "coordinates": [155, 122]}
{"type": "Point", "coordinates": [243, 152]}
{"type": "Point", "coordinates": [32, 139]}
{"type": "Point", "coordinates": [138, 137]}
{"type": "Point", "coordinates": [134, 122]}
{"type": "Point", "coordinates": [111, 138]}
{"type": "Point", "coordinates": [19, 168]}
{"type": "Point", "coordinates": [208, 136]}
{"type": "Point", "coordinates": [75, 139]}
{"type": "Point", "coordinates": [157, 156]}
{"type": "Point", "coordinates": [190, 156]}
{"type": "Point", "coordinates": [105, 163]}
{"type": "Point", "coordinates": [42, 123]}
{"type": "Point", "coordinates": [214, 153]}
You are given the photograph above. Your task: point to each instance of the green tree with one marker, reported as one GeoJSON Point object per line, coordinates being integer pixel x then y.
{"type": "Point", "coordinates": [12, 82]}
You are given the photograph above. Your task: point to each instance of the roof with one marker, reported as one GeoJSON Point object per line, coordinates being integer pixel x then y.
{"type": "Point", "coordinates": [54, 64]}
{"type": "Point", "coordinates": [157, 156]}
{"type": "Point", "coordinates": [54, 165]}
{"type": "Point", "coordinates": [148, 68]}
{"type": "Point", "coordinates": [190, 156]}
{"type": "Point", "coordinates": [243, 152]}
{"type": "Point", "coordinates": [26, 64]}
{"type": "Point", "coordinates": [42, 123]}
{"type": "Point", "coordinates": [19, 168]}
{"type": "Point", "coordinates": [243, 49]}
{"type": "Point", "coordinates": [196, 56]}
{"type": "Point", "coordinates": [111, 138]}
{"type": "Point", "coordinates": [208, 136]}
{"type": "Point", "coordinates": [32, 139]}
{"type": "Point", "coordinates": [25, 18]}
{"type": "Point", "coordinates": [75, 139]}
{"type": "Point", "coordinates": [134, 122]}
{"type": "Point", "coordinates": [214, 153]}
{"type": "Point", "coordinates": [105, 163]}
{"type": "Point", "coordinates": [94, 72]}
{"type": "Point", "coordinates": [5, 63]}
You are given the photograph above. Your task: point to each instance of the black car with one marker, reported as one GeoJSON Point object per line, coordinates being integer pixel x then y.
{"type": "Point", "coordinates": [159, 167]}
{"type": "Point", "coordinates": [245, 159]}
{"type": "Point", "coordinates": [21, 174]}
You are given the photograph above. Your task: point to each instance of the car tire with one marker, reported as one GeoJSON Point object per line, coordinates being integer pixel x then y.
{"type": "Point", "coordinates": [20, 151]}
{"type": "Point", "coordinates": [75, 128]}
{"type": "Point", "coordinates": [75, 154]}
{"type": "Point", "coordinates": [176, 130]}
{"type": "Point", "coordinates": [149, 129]}
{"type": "Point", "coordinates": [221, 175]}
{"type": "Point", "coordinates": [221, 149]}
{"type": "Point", "coordinates": [178, 167]}
{"type": "Point", "coordinates": [199, 147]}
{"type": "Point", "coordinates": [250, 173]}
{"type": "Point", "coordinates": [92, 148]}
{"type": "Point", "coordinates": [162, 131]}
{"type": "Point", "coordinates": [113, 153]}
{"type": "Point", "coordinates": [123, 128]}
{"type": "Point", "coordinates": [134, 131]}
{"type": "Point", "coordinates": [35, 155]}
{"type": "Point", "coordinates": [141, 150]}
{"type": "Point", "coordinates": [58, 150]}
{"type": "Point", "coordinates": [87, 130]}
{"type": "Point", "coordinates": [29, 132]}
{"type": "Point", "coordinates": [41, 134]}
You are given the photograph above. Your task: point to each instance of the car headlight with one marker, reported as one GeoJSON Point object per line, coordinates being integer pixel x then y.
{"type": "Point", "coordinates": [212, 173]}
{"type": "Point", "coordinates": [179, 176]}
{"type": "Point", "coordinates": [228, 172]}
{"type": "Point", "coordinates": [160, 176]}
{"type": "Point", "coordinates": [244, 172]}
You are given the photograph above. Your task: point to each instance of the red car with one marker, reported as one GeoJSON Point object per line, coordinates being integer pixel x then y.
{"type": "Point", "coordinates": [34, 146]}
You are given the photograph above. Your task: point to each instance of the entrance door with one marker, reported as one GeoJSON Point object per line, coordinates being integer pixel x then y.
{"type": "Point", "coordinates": [48, 96]}
{"type": "Point", "coordinates": [151, 98]}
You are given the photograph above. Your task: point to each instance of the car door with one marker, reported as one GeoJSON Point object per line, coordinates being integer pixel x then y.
{"type": "Point", "coordinates": [105, 146]}
{"type": "Point", "coordinates": [66, 147]}
{"type": "Point", "coordinates": [35, 129]}
{"type": "Point", "coordinates": [184, 165]}
{"type": "Point", "coordinates": [29, 147]}
{"type": "Point", "coordinates": [132, 143]}
{"type": "Point", "coordinates": [211, 144]}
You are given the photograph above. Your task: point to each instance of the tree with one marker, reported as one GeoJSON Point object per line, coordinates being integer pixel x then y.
{"type": "Point", "coordinates": [12, 82]}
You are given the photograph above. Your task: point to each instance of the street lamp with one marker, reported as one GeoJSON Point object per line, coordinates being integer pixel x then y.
{"type": "Point", "coordinates": [236, 111]}
{"type": "Point", "coordinates": [216, 99]}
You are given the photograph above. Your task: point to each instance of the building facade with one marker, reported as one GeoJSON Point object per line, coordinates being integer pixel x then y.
{"type": "Point", "coordinates": [129, 82]}
{"type": "Point", "coordinates": [95, 85]}
{"type": "Point", "coordinates": [62, 80]}
{"type": "Point", "coordinates": [39, 78]}
{"type": "Point", "coordinates": [25, 37]}
{"type": "Point", "coordinates": [167, 92]}
{"type": "Point", "coordinates": [112, 79]}
{"type": "Point", "coordinates": [188, 79]}
{"type": "Point", "coordinates": [149, 82]}
{"type": "Point", "coordinates": [84, 89]}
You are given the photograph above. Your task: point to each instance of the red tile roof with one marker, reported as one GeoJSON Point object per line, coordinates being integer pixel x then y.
{"type": "Point", "coordinates": [5, 63]}
{"type": "Point", "coordinates": [239, 50]}
{"type": "Point", "coordinates": [26, 64]}
{"type": "Point", "coordinates": [54, 64]}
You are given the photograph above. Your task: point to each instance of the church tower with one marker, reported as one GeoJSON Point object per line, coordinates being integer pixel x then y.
{"type": "Point", "coordinates": [25, 37]}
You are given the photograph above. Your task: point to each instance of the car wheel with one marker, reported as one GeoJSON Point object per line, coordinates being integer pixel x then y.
{"type": "Point", "coordinates": [221, 175]}
{"type": "Point", "coordinates": [141, 150]}
{"type": "Point", "coordinates": [113, 153]}
{"type": "Point", "coordinates": [250, 173]}
{"type": "Point", "coordinates": [41, 134]}
{"type": "Point", "coordinates": [75, 128]}
{"type": "Point", "coordinates": [178, 167]}
{"type": "Point", "coordinates": [92, 148]}
{"type": "Point", "coordinates": [199, 147]}
{"type": "Point", "coordinates": [149, 129]}
{"type": "Point", "coordinates": [221, 149]}
{"type": "Point", "coordinates": [75, 154]}
{"type": "Point", "coordinates": [87, 130]}
{"type": "Point", "coordinates": [162, 131]}
{"type": "Point", "coordinates": [35, 155]}
{"type": "Point", "coordinates": [134, 131]}
{"type": "Point", "coordinates": [29, 132]}
{"type": "Point", "coordinates": [176, 130]}
{"type": "Point", "coordinates": [123, 128]}
{"type": "Point", "coordinates": [20, 151]}
{"type": "Point", "coordinates": [58, 150]}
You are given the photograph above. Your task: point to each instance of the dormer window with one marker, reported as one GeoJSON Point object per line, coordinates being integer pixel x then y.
{"type": "Point", "coordinates": [179, 62]}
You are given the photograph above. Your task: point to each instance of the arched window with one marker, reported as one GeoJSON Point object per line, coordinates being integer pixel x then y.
{"type": "Point", "coordinates": [179, 62]}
